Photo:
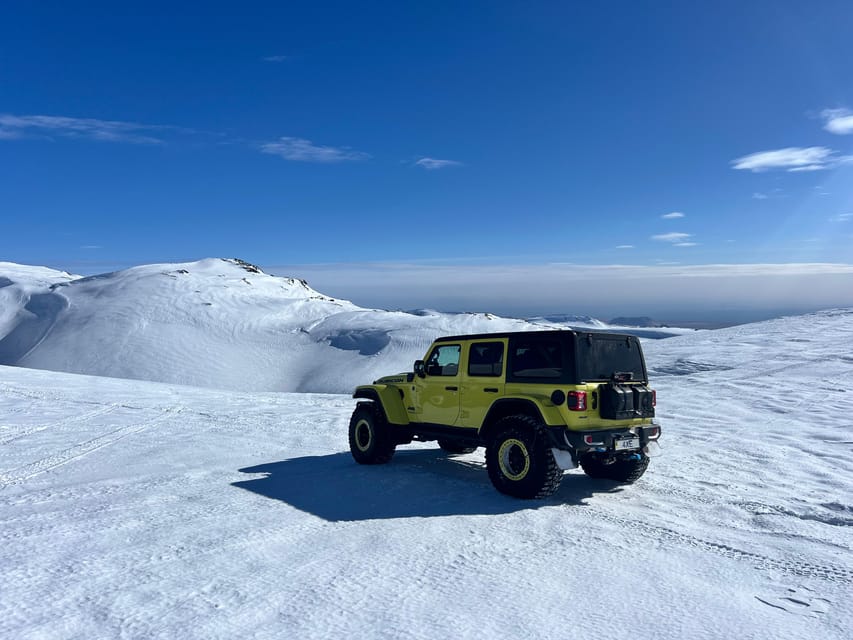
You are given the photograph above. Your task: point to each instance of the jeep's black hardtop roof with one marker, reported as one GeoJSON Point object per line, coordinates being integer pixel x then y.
{"type": "Point", "coordinates": [545, 333]}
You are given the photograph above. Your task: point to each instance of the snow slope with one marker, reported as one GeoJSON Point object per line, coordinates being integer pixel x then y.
{"type": "Point", "coordinates": [215, 323]}
{"type": "Point", "coordinates": [144, 510]}
{"type": "Point", "coordinates": [27, 309]}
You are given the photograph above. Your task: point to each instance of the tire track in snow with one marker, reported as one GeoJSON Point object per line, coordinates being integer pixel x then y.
{"type": "Point", "coordinates": [102, 410]}
{"type": "Point", "coordinates": [43, 394]}
{"type": "Point", "coordinates": [19, 475]}
{"type": "Point", "coordinates": [837, 516]}
{"type": "Point", "coordinates": [840, 575]}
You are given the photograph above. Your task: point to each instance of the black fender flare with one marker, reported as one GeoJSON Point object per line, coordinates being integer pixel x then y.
{"type": "Point", "coordinates": [507, 407]}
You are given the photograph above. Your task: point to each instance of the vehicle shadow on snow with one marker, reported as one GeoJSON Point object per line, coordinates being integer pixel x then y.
{"type": "Point", "coordinates": [420, 483]}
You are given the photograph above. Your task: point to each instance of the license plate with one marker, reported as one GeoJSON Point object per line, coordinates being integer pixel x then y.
{"type": "Point", "coordinates": [626, 443]}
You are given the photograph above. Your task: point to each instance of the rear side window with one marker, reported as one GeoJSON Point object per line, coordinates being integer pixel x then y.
{"type": "Point", "coordinates": [602, 356]}
{"type": "Point", "coordinates": [538, 359]}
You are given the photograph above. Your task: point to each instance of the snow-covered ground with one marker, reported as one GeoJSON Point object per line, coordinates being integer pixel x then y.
{"type": "Point", "coordinates": [144, 510]}
{"type": "Point", "coordinates": [222, 324]}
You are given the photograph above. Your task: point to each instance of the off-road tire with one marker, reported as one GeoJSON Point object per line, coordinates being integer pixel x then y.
{"type": "Point", "coordinates": [624, 470]}
{"type": "Point", "coordinates": [452, 446]}
{"type": "Point", "coordinates": [519, 459]}
{"type": "Point", "coordinates": [370, 438]}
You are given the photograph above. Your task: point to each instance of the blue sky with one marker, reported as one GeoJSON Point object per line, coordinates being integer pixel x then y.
{"type": "Point", "coordinates": [329, 138]}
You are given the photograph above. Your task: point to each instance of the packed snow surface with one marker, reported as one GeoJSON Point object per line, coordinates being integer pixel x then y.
{"type": "Point", "coordinates": [146, 510]}
{"type": "Point", "coordinates": [219, 323]}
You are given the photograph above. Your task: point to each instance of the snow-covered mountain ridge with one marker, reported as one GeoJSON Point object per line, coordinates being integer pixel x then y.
{"type": "Point", "coordinates": [220, 323]}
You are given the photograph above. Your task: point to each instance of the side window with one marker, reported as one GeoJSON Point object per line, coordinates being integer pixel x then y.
{"type": "Point", "coordinates": [486, 359]}
{"type": "Point", "coordinates": [537, 358]}
{"type": "Point", "coordinates": [444, 360]}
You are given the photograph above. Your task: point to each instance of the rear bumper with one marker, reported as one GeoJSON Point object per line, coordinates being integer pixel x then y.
{"type": "Point", "coordinates": [602, 440]}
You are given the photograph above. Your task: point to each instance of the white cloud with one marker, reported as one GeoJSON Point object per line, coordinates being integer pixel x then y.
{"type": "Point", "coordinates": [685, 244]}
{"type": "Point", "coordinates": [433, 163]}
{"type": "Point", "coordinates": [301, 150]}
{"type": "Point", "coordinates": [810, 167]}
{"type": "Point", "coordinates": [625, 246]}
{"type": "Point", "coordinates": [674, 236]}
{"type": "Point", "coordinates": [275, 58]}
{"type": "Point", "coordinates": [842, 217]}
{"type": "Point", "coordinates": [766, 195]}
{"type": "Point", "coordinates": [12, 127]}
{"type": "Point", "coordinates": [791, 159]}
{"type": "Point", "coordinates": [838, 121]}
{"type": "Point", "coordinates": [91, 246]}
{"type": "Point", "coordinates": [672, 216]}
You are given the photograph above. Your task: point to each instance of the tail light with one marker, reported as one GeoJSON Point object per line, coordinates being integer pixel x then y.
{"type": "Point", "coordinates": [653, 433]}
{"type": "Point", "coordinates": [654, 398]}
{"type": "Point", "coordinates": [576, 400]}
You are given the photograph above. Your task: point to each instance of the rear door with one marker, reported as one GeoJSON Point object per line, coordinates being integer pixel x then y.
{"type": "Point", "coordinates": [482, 380]}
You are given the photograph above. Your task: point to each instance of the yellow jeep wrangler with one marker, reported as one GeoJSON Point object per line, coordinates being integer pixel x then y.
{"type": "Point", "coordinates": [540, 402]}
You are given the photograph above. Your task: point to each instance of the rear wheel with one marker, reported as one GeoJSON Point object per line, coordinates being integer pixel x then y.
{"type": "Point", "coordinates": [519, 459]}
{"type": "Point", "coordinates": [370, 438]}
{"type": "Point", "coordinates": [454, 446]}
{"type": "Point", "coordinates": [627, 469]}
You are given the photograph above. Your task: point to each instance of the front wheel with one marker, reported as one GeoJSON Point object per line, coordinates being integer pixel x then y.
{"type": "Point", "coordinates": [370, 440]}
{"type": "Point", "coordinates": [519, 460]}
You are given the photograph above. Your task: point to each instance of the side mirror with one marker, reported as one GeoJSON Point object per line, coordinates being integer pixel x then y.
{"type": "Point", "coordinates": [420, 371]}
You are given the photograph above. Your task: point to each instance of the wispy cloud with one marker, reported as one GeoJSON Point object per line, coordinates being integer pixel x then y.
{"type": "Point", "coordinates": [838, 121]}
{"type": "Point", "coordinates": [16, 127]}
{"type": "Point", "coordinates": [433, 163]}
{"type": "Point", "coordinates": [685, 244]}
{"type": "Point", "coordinates": [673, 237]}
{"type": "Point", "coordinates": [90, 247]}
{"type": "Point", "coordinates": [672, 216]}
{"type": "Point", "coordinates": [791, 159]}
{"type": "Point", "coordinates": [625, 246]}
{"type": "Point", "coordinates": [767, 195]}
{"type": "Point", "coordinates": [301, 150]}
{"type": "Point", "coordinates": [275, 58]}
{"type": "Point", "coordinates": [842, 217]}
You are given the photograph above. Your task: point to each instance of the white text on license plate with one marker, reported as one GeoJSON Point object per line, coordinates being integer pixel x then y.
{"type": "Point", "coordinates": [626, 443]}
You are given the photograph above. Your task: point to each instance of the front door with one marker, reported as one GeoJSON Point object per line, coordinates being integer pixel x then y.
{"type": "Point", "coordinates": [436, 396]}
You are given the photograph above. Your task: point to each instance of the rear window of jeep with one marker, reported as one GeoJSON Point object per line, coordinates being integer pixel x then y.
{"type": "Point", "coordinates": [601, 357]}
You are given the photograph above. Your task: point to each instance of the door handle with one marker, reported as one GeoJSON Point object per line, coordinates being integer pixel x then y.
{"type": "Point", "coordinates": [491, 389]}
{"type": "Point", "coordinates": [452, 388]}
